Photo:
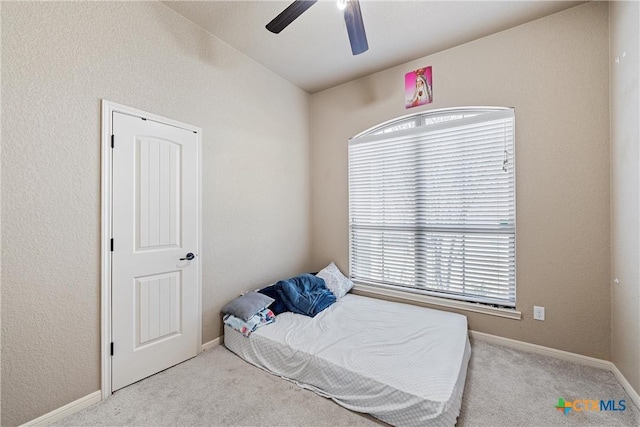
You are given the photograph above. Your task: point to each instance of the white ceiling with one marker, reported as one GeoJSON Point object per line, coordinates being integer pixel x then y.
{"type": "Point", "coordinates": [313, 52]}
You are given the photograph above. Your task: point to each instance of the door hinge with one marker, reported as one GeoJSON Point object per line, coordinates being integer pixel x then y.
{"type": "Point", "coordinates": [111, 245]}
{"type": "Point", "coordinates": [112, 141]}
{"type": "Point", "coordinates": [112, 348]}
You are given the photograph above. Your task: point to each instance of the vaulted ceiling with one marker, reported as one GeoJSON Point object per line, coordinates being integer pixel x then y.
{"type": "Point", "coordinates": [313, 52]}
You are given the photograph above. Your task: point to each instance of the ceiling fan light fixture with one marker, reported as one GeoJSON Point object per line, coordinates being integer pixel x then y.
{"type": "Point", "coordinates": [352, 19]}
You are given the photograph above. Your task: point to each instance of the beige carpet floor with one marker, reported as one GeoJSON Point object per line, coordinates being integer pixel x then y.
{"type": "Point", "coordinates": [504, 387]}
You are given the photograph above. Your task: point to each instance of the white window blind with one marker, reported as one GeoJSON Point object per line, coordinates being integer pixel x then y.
{"type": "Point", "coordinates": [432, 207]}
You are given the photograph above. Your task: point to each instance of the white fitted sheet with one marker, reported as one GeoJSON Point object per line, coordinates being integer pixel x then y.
{"type": "Point", "coordinates": [403, 364]}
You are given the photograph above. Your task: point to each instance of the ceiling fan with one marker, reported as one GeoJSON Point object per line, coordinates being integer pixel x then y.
{"type": "Point", "coordinates": [352, 17]}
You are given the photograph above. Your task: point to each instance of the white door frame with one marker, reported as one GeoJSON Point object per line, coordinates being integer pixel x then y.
{"type": "Point", "coordinates": [108, 108]}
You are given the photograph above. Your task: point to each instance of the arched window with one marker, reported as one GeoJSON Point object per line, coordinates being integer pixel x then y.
{"type": "Point", "coordinates": [432, 205]}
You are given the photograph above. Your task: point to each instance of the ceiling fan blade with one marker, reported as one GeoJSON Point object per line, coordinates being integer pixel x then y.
{"type": "Point", "coordinates": [355, 27]}
{"type": "Point", "coordinates": [288, 15]}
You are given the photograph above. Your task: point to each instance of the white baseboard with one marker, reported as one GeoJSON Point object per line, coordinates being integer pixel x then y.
{"type": "Point", "coordinates": [89, 400]}
{"type": "Point", "coordinates": [539, 349]}
{"type": "Point", "coordinates": [96, 396]}
{"type": "Point", "coordinates": [625, 384]}
{"type": "Point", "coordinates": [561, 354]}
{"type": "Point", "coordinates": [66, 410]}
{"type": "Point", "coordinates": [213, 343]}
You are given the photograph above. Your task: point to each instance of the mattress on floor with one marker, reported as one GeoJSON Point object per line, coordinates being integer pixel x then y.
{"type": "Point", "coordinates": [403, 364]}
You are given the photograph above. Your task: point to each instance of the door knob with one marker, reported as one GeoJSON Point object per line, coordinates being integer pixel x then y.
{"type": "Point", "coordinates": [189, 257]}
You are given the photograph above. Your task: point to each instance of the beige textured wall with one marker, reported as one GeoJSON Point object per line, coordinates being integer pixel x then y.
{"type": "Point", "coordinates": [554, 71]}
{"type": "Point", "coordinates": [624, 19]}
{"type": "Point", "coordinates": [59, 60]}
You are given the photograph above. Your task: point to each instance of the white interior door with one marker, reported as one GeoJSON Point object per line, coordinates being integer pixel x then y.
{"type": "Point", "coordinates": [155, 289]}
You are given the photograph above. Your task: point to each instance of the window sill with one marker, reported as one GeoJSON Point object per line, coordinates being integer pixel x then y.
{"type": "Point", "coordinates": [368, 290]}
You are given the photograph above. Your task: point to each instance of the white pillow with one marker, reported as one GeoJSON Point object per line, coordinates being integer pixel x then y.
{"type": "Point", "coordinates": [335, 280]}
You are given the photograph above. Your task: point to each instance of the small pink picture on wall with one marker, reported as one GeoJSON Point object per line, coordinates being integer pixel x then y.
{"type": "Point", "coordinates": [418, 87]}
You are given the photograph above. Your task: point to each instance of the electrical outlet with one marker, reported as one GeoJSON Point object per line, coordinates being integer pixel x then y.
{"type": "Point", "coordinates": [538, 312]}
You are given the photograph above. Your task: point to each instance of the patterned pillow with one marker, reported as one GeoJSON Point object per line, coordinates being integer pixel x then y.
{"type": "Point", "coordinates": [335, 280]}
